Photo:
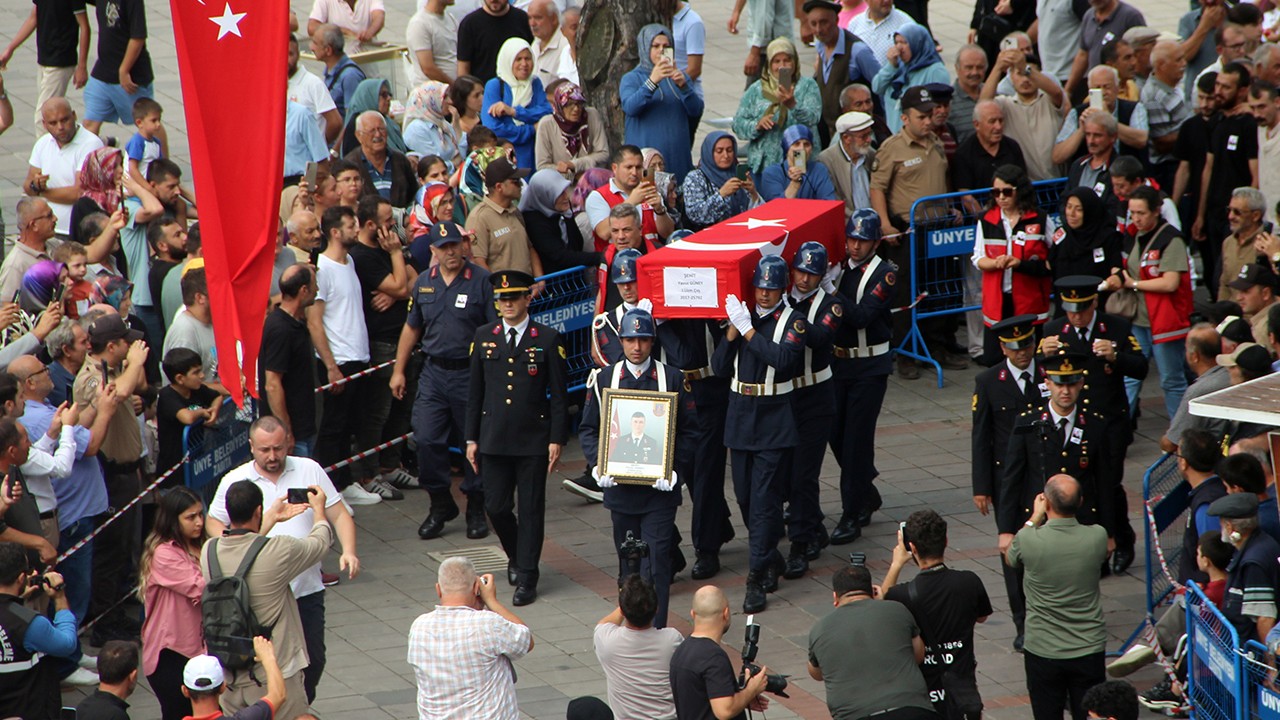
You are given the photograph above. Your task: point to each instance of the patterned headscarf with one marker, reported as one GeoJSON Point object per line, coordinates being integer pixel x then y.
{"type": "Point", "coordinates": [574, 133]}
{"type": "Point", "coordinates": [648, 155]}
{"type": "Point", "coordinates": [426, 102]}
{"type": "Point", "coordinates": [428, 201]}
{"type": "Point", "coordinates": [769, 84]}
{"type": "Point", "coordinates": [592, 178]}
{"type": "Point", "coordinates": [100, 177]}
{"type": "Point", "coordinates": [110, 289]}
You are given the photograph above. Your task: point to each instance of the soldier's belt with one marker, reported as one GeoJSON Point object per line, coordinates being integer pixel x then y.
{"type": "Point", "coordinates": [853, 352]}
{"type": "Point", "coordinates": [812, 378]}
{"type": "Point", "coordinates": [699, 374]}
{"type": "Point", "coordinates": [761, 389]}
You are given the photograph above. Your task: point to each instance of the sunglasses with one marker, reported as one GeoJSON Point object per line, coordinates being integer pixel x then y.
{"type": "Point", "coordinates": [1003, 192]}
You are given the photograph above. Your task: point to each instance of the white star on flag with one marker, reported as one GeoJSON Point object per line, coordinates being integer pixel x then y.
{"type": "Point", "coordinates": [229, 22]}
{"type": "Point", "coordinates": [753, 223]}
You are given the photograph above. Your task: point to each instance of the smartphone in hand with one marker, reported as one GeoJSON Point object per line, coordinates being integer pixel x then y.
{"type": "Point", "coordinates": [786, 76]}
{"type": "Point", "coordinates": [743, 171]}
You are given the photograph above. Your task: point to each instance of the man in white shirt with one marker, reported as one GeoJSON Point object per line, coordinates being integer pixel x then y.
{"type": "Point", "coordinates": [551, 57]}
{"type": "Point", "coordinates": [276, 473]}
{"type": "Point", "coordinates": [432, 39]}
{"type": "Point", "coordinates": [56, 158]}
{"type": "Point", "coordinates": [309, 91]}
{"type": "Point", "coordinates": [877, 26]}
{"type": "Point", "coordinates": [636, 656]}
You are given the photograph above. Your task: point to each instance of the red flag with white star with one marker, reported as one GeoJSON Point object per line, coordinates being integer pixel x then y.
{"type": "Point", "coordinates": [231, 60]}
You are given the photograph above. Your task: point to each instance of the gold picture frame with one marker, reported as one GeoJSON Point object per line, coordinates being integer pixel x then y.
{"type": "Point", "coordinates": [637, 435]}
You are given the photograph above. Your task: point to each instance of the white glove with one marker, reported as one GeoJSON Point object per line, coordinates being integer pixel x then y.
{"type": "Point", "coordinates": [829, 280]}
{"type": "Point", "coordinates": [739, 315]}
{"type": "Point", "coordinates": [646, 305]}
{"type": "Point", "coordinates": [666, 485]}
{"type": "Point", "coordinates": [604, 481]}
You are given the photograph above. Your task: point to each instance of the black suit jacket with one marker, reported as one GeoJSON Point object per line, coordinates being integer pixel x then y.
{"type": "Point", "coordinates": [997, 404]}
{"type": "Point", "coordinates": [1103, 389]}
{"type": "Point", "coordinates": [517, 401]}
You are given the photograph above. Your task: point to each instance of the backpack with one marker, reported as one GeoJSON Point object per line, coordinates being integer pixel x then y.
{"type": "Point", "coordinates": [227, 617]}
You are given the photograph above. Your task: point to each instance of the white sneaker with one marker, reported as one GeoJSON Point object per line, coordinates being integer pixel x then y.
{"type": "Point", "coordinates": [81, 678]}
{"type": "Point", "coordinates": [356, 495]}
{"type": "Point", "coordinates": [89, 662]}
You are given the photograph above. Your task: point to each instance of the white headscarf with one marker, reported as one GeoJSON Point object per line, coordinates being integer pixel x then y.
{"type": "Point", "coordinates": [521, 90]}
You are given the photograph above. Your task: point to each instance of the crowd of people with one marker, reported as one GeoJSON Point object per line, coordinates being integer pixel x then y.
{"type": "Point", "coordinates": [415, 229]}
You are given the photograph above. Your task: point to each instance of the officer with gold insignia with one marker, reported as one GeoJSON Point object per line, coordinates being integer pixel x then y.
{"type": "Point", "coordinates": [1111, 354]}
{"type": "Point", "coordinates": [648, 512]}
{"type": "Point", "coordinates": [1001, 394]}
{"type": "Point", "coordinates": [605, 348]}
{"type": "Point", "coordinates": [860, 365]}
{"type": "Point", "coordinates": [813, 404]}
{"type": "Point", "coordinates": [762, 353]}
{"type": "Point", "coordinates": [446, 306]}
{"type": "Point", "coordinates": [516, 424]}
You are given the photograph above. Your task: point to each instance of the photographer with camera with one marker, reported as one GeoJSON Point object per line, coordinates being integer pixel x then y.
{"type": "Point", "coordinates": [636, 656]}
{"type": "Point", "coordinates": [702, 680]}
{"type": "Point", "coordinates": [881, 676]}
{"type": "Point", "coordinates": [946, 604]}
{"type": "Point", "coordinates": [31, 642]}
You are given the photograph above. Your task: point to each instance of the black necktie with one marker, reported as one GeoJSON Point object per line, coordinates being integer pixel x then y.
{"type": "Point", "coordinates": [1084, 335]}
{"type": "Point", "coordinates": [1029, 388]}
{"type": "Point", "coordinates": [511, 340]}
{"type": "Point", "coordinates": [1062, 432]}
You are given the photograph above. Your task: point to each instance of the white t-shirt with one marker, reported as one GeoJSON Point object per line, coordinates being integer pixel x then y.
{"type": "Point", "coordinates": [637, 666]}
{"type": "Point", "coordinates": [298, 473]}
{"type": "Point", "coordinates": [62, 165]}
{"type": "Point", "coordinates": [437, 33]}
{"type": "Point", "coordinates": [339, 13]}
{"type": "Point", "coordinates": [192, 334]}
{"type": "Point", "coordinates": [309, 91]}
{"type": "Point", "coordinates": [339, 289]}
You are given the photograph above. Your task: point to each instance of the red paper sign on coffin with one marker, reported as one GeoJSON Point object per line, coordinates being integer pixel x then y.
{"type": "Point", "coordinates": [689, 278]}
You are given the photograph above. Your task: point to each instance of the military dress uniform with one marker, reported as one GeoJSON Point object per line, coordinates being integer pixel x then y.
{"type": "Point", "coordinates": [814, 406]}
{"type": "Point", "coordinates": [1103, 390]}
{"type": "Point", "coordinates": [760, 427]}
{"type": "Point", "coordinates": [447, 315]}
{"type": "Point", "coordinates": [1002, 394]}
{"type": "Point", "coordinates": [515, 409]}
{"type": "Point", "coordinates": [860, 365]}
{"type": "Point", "coordinates": [606, 348]}
{"type": "Point", "coordinates": [647, 512]}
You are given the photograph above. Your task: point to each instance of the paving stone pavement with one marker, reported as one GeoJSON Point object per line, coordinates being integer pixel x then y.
{"type": "Point", "coordinates": [922, 452]}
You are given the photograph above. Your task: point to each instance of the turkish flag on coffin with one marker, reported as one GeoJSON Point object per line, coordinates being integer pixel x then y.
{"type": "Point", "coordinates": [231, 64]}
{"type": "Point", "coordinates": [689, 278]}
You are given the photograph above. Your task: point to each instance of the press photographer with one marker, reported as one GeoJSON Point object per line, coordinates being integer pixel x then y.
{"type": "Point", "coordinates": [879, 677]}
{"type": "Point", "coordinates": [946, 604]}
{"type": "Point", "coordinates": [32, 644]}
{"type": "Point", "coordinates": [636, 656]}
{"type": "Point", "coordinates": [702, 679]}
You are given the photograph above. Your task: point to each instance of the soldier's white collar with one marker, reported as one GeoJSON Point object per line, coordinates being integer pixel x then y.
{"type": "Point", "coordinates": [638, 370]}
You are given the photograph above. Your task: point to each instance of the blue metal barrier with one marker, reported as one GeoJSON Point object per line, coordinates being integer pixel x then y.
{"type": "Point", "coordinates": [1261, 693]}
{"type": "Point", "coordinates": [211, 452]}
{"type": "Point", "coordinates": [567, 303]}
{"type": "Point", "coordinates": [941, 240]}
{"type": "Point", "coordinates": [1215, 670]}
{"type": "Point", "coordinates": [1166, 497]}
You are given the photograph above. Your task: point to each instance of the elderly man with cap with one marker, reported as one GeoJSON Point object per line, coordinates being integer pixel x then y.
{"type": "Point", "coordinates": [1253, 575]}
{"type": "Point", "coordinates": [1255, 288]}
{"type": "Point", "coordinates": [448, 303]}
{"type": "Point", "coordinates": [762, 352]}
{"type": "Point", "coordinates": [812, 402]}
{"type": "Point", "coordinates": [861, 362]}
{"type": "Point", "coordinates": [1143, 40]}
{"type": "Point", "coordinates": [1057, 436]}
{"type": "Point", "coordinates": [849, 161]}
{"type": "Point", "coordinates": [942, 125]}
{"type": "Point", "coordinates": [645, 512]}
{"type": "Point", "coordinates": [1001, 394]}
{"type": "Point", "coordinates": [1111, 353]}
{"type": "Point", "coordinates": [605, 348]}
{"type": "Point", "coordinates": [203, 682]}
{"type": "Point", "coordinates": [1249, 361]}
{"type": "Point", "coordinates": [843, 59]}
{"type": "Point", "coordinates": [516, 424]}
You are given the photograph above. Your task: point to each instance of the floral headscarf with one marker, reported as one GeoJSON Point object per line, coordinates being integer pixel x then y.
{"type": "Point", "coordinates": [110, 289]}
{"type": "Point", "coordinates": [592, 178]}
{"type": "Point", "coordinates": [426, 102]}
{"type": "Point", "coordinates": [648, 155]}
{"type": "Point", "coordinates": [100, 178]}
{"type": "Point", "coordinates": [574, 133]}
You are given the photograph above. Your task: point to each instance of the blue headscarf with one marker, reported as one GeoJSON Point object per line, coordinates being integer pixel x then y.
{"type": "Point", "coordinates": [740, 201]}
{"type": "Point", "coordinates": [644, 39]}
{"type": "Point", "coordinates": [924, 52]}
{"type": "Point", "coordinates": [791, 135]}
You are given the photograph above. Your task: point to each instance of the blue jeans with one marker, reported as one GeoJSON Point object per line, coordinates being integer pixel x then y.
{"type": "Point", "coordinates": [304, 447]}
{"type": "Point", "coordinates": [77, 569]}
{"type": "Point", "coordinates": [1170, 361]}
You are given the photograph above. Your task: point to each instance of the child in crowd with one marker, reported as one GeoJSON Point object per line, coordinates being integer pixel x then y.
{"type": "Point", "coordinates": [144, 146]}
{"type": "Point", "coordinates": [76, 297]}
{"type": "Point", "coordinates": [185, 401]}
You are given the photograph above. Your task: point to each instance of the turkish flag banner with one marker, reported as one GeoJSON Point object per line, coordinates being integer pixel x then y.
{"type": "Point", "coordinates": [231, 61]}
{"type": "Point", "coordinates": [689, 278]}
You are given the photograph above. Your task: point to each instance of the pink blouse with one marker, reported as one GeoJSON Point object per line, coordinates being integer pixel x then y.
{"type": "Point", "coordinates": [172, 606]}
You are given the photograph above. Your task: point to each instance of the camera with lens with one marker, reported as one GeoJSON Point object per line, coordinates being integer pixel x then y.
{"type": "Point", "coordinates": [632, 551]}
{"type": "Point", "coordinates": [858, 559]}
{"type": "Point", "coordinates": [775, 683]}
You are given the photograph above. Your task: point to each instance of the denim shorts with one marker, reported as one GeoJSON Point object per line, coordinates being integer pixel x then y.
{"type": "Point", "coordinates": [110, 103]}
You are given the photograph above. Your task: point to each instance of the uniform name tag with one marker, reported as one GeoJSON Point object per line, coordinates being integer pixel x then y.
{"type": "Point", "coordinates": [1044, 390]}
{"type": "Point", "coordinates": [501, 231]}
{"type": "Point", "coordinates": [1233, 141]}
{"type": "Point", "coordinates": [1076, 435]}
{"type": "Point", "coordinates": [913, 162]}
{"type": "Point", "coordinates": [1108, 38]}
{"type": "Point", "coordinates": [461, 301]}
{"type": "Point", "coordinates": [1098, 255]}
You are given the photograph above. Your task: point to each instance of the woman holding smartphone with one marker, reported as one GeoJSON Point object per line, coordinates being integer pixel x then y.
{"type": "Point", "coordinates": [799, 175]}
{"type": "Point", "coordinates": [720, 187]}
{"type": "Point", "coordinates": [775, 102]}
{"type": "Point", "coordinates": [658, 101]}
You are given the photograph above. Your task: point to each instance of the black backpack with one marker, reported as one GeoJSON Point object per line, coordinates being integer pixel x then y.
{"type": "Point", "coordinates": [228, 619]}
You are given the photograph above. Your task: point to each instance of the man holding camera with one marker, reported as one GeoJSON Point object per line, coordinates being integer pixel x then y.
{"type": "Point", "coordinates": [635, 655]}
{"type": "Point", "coordinates": [32, 644]}
{"type": "Point", "coordinates": [462, 651]}
{"type": "Point", "coordinates": [882, 676]}
{"type": "Point", "coordinates": [702, 680]}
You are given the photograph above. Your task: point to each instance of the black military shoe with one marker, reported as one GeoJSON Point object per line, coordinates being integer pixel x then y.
{"type": "Point", "coordinates": [512, 576]}
{"type": "Point", "coordinates": [769, 576]}
{"type": "Point", "coordinates": [864, 515]}
{"type": "Point", "coordinates": [477, 526]}
{"type": "Point", "coordinates": [443, 509]}
{"type": "Point", "coordinates": [797, 561]}
{"type": "Point", "coordinates": [524, 595]}
{"type": "Point", "coordinates": [755, 599]}
{"type": "Point", "coordinates": [847, 530]}
{"type": "Point", "coordinates": [706, 566]}
{"type": "Point", "coordinates": [1121, 559]}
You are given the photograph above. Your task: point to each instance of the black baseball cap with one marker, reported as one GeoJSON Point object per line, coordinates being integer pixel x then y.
{"type": "Point", "coordinates": [918, 97]}
{"type": "Point", "coordinates": [501, 169]}
{"type": "Point", "coordinates": [1253, 274]}
{"type": "Point", "coordinates": [112, 327]}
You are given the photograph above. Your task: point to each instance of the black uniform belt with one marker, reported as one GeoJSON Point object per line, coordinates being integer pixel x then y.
{"type": "Point", "coordinates": [698, 374]}
{"type": "Point", "coordinates": [121, 468]}
{"type": "Point", "coordinates": [48, 515]}
{"type": "Point", "coordinates": [448, 364]}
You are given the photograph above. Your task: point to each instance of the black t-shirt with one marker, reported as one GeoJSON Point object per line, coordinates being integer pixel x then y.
{"type": "Point", "coordinates": [170, 428]}
{"type": "Point", "coordinates": [947, 604]}
{"type": "Point", "coordinates": [1234, 144]}
{"type": "Point", "coordinates": [57, 32]}
{"type": "Point", "coordinates": [102, 706]}
{"type": "Point", "coordinates": [155, 281]}
{"type": "Point", "coordinates": [480, 37]}
{"type": "Point", "coordinates": [700, 670]}
{"type": "Point", "coordinates": [373, 265]}
{"type": "Point", "coordinates": [1192, 146]}
{"type": "Point", "coordinates": [287, 349]}
{"type": "Point", "coordinates": [120, 21]}
{"type": "Point", "coordinates": [974, 168]}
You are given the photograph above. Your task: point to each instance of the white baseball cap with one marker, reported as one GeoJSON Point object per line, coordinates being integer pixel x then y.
{"type": "Point", "coordinates": [202, 673]}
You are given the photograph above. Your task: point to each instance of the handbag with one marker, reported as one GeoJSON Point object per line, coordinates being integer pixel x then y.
{"type": "Point", "coordinates": [992, 28]}
{"type": "Point", "coordinates": [1123, 303]}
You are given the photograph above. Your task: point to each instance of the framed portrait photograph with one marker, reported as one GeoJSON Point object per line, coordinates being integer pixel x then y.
{"type": "Point", "coordinates": [637, 435]}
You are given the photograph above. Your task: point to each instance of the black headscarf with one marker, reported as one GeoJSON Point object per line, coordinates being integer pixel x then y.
{"type": "Point", "coordinates": [1097, 231]}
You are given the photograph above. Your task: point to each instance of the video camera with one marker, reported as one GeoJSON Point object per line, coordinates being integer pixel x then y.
{"type": "Point", "coordinates": [632, 551]}
{"type": "Point", "coordinates": [775, 683]}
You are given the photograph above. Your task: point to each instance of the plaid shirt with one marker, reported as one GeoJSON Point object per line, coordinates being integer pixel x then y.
{"type": "Point", "coordinates": [1166, 110]}
{"type": "Point", "coordinates": [462, 660]}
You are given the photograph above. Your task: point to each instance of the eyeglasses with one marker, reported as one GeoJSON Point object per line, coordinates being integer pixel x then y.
{"type": "Point", "coordinates": [36, 373]}
{"type": "Point", "coordinates": [1238, 211]}
{"type": "Point", "coordinates": [1003, 192]}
